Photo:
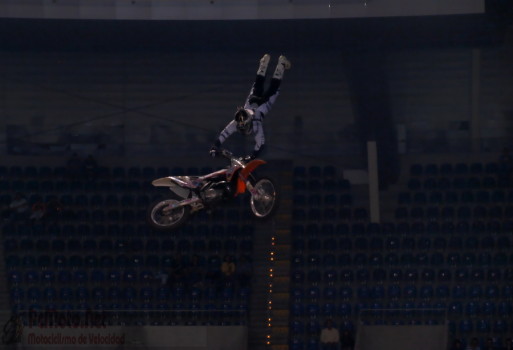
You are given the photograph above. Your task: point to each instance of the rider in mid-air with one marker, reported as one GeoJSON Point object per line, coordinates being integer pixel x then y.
{"type": "Point", "coordinates": [249, 119]}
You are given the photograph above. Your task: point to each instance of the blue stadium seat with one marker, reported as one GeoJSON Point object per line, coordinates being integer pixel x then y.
{"type": "Point", "coordinates": [298, 294]}
{"type": "Point", "coordinates": [416, 169]}
{"type": "Point", "coordinates": [476, 275]}
{"type": "Point", "coordinates": [491, 291]}
{"type": "Point", "coordinates": [298, 277]}
{"type": "Point", "coordinates": [313, 260]}
{"type": "Point", "coordinates": [404, 198]}
{"type": "Point", "coordinates": [379, 275]}
{"type": "Point", "coordinates": [414, 184]}
{"type": "Point", "coordinates": [483, 326]}
{"type": "Point", "coordinates": [345, 213]}
{"type": "Point", "coordinates": [329, 309]}
{"type": "Point", "coordinates": [484, 258]}
{"type": "Point", "coordinates": [500, 326]}
{"type": "Point", "coordinates": [442, 291]}
{"type": "Point", "coordinates": [395, 275]}
{"type": "Point", "coordinates": [361, 243]}
{"type": "Point", "coordinates": [297, 327]}
{"type": "Point", "coordinates": [360, 259]}
{"type": "Point", "coordinates": [297, 343]}
{"type": "Point", "coordinates": [401, 213]}
{"type": "Point", "coordinates": [488, 308]}
{"type": "Point", "coordinates": [329, 293]}
{"type": "Point", "coordinates": [475, 291]}
{"type": "Point", "coordinates": [495, 212]}
{"type": "Point", "coordinates": [344, 260]}
{"type": "Point", "coordinates": [363, 292]}
{"type": "Point", "coordinates": [298, 309]}
{"type": "Point", "coordinates": [330, 277]}
{"type": "Point", "coordinates": [427, 292]}
{"type": "Point", "coordinates": [376, 259]}
{"type": "Point", "coordinates": [299, 200]}
{"type": "Point", "coordinates": [329, 260]}
{"type": "Point", "coordinates": [489, 182]}
{"type": "Point", "coordinates": [346, 293]}
{"type": "Point", "coordinates": [313, 277]}
{"type": "Point", "coordinates": [330, 200]}
{"type": "Point", "coordinates": [472, 309]}
{"type": "Point", "coordinates": [459, 291]}
{"type": "Point", "coordinates": [362, 275]}
{"type": "Point", "coordinates": [455, 308]}
{"type": "Point", "coordinates": [314, 244]}
{"type": "Point", "coordinates": [504, 308]}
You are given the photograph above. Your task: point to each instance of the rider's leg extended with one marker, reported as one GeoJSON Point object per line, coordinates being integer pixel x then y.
{"type": "Point", "coordinates": [283, 64]}
{"type": "Point", "coordinates": [258, 85]}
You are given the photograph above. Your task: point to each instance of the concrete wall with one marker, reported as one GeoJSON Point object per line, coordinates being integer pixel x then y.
{"type": "Point", "coordinates": [402, 337]}
{"type": "Point", "coordinates": [232, 9]}
{"type": "Point", "coordinates": [144, 337]}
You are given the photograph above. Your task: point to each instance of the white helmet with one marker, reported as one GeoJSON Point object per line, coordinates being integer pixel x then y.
{"type": "Point", "coordinates": [244, 119]}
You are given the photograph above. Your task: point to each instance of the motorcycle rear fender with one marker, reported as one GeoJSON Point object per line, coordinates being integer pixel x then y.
{"type": "Point", "coordinates": [244, 173]}
{"type": "Point", "coordinates": [170, 182]}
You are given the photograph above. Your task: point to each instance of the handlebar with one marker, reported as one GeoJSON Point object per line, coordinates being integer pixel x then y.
{"type": "Point", "coordinates": [229, 155]}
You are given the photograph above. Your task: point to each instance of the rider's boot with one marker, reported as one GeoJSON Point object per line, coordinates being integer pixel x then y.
{"type": "Point", "coordinates": [283, 64]}
{"type": "Point", "coordinates": [264, 62]}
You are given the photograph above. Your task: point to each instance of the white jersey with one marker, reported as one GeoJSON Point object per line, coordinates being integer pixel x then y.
{"type": "Point", "coordinates": [259, 113]}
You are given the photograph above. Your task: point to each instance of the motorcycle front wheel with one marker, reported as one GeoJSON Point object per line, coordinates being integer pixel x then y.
{"type": "Point", "coordinates": [162, 217]}
{"type": "Point", "coordinates": [264, 199]}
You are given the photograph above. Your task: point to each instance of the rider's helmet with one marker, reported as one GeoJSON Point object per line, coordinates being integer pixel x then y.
{"type": "Point", "coordinates": [244, 119]}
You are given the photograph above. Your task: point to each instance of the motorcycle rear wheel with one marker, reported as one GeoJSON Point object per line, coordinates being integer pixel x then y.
{"type": "Point", "coordinates": [161, 218]}
{"type": "Point", "coordinates": [264, 202]}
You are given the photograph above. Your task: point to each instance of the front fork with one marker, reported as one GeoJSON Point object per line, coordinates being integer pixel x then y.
{"type": "Point", "coordinates": [249, 185]}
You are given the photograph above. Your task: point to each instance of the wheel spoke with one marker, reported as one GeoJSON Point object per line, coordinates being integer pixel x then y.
{"type": "Point", "coordinates": [162, 215]}
{"type": "Point", "coordinates": [262, 203]}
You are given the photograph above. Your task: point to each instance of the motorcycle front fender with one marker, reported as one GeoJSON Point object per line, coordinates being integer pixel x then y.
{"type": "Point", "coordinates": [251, 166]}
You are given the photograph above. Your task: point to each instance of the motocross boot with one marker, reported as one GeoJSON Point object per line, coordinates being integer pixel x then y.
{"type": "Point", "coordinates": [283, 64]}
{"type": "Point", "coordinates": [264, 62]}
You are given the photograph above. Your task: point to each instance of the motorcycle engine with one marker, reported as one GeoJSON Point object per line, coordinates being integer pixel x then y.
{"type": "Point", "coordinates": [212, 194]}
{"type": "Point", "coordinates": [216, 192]}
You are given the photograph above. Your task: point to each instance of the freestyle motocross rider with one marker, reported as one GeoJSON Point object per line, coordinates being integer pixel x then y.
{"type": "Point", "coordinates": [249, 118]}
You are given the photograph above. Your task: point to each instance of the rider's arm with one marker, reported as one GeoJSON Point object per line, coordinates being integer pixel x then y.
{"type": "Point", "coordinates": [227, 131]}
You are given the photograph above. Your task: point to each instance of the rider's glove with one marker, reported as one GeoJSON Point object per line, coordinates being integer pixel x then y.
{"type": "Point", "coordinates": [214, 152]}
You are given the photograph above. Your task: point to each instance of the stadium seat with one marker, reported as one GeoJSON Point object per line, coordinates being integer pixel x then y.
{"type": "Point", "coordinates": [329, 293]}
{"type": "Point", "coordinates": [298, 294]}
{"type": "Point", "coordinates": [488, 308]}
{"type": "Point", "coordinates": [297, 309]}
{"type": "Point", "coordinates": [345, 309]}
{"type": "Point", "coordinates": [298, 277]}
{"type": "Point", "coordinates": [500, 326]}
{"type": "Point", "coordinates": [346, 293]}
{"type": "Point", "coordinates": [475, 291]}
{"type": "Point", "coordinates": [504, 308]}
{"type": "Point", "coordinates": [483, 326]}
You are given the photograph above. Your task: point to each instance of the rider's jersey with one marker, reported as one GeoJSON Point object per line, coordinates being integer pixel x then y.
{"type": "Point", "coordinates": [259, 113]}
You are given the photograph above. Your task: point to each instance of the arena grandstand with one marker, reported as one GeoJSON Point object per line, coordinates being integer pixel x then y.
{"type": "Point", "coordinates": [389, 145]}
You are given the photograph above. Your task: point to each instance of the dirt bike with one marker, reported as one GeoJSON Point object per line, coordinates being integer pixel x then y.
{"type": "Point", "coordinates": [191, 194]}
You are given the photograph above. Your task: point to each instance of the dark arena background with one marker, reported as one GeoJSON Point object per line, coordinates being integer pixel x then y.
{"type": "Point", "coordinates": [390, 143]}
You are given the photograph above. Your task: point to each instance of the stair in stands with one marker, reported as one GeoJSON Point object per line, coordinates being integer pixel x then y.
{"type": "Point", "coordinates": [259, 330]}
{"type": "Point", "coordinates": [4, 292]}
